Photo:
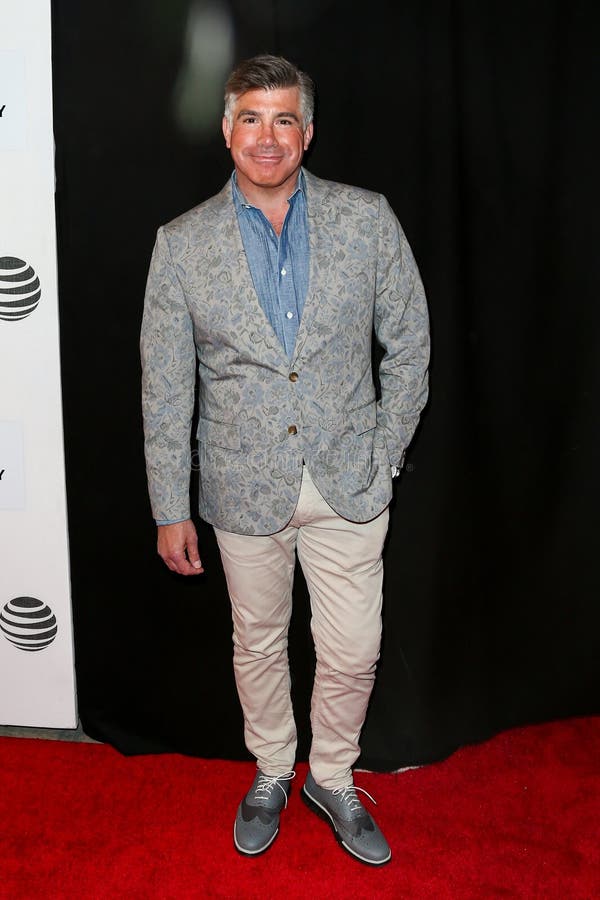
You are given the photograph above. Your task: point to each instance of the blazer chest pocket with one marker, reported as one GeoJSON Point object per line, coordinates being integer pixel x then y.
{"type": "Point", "coordinates": [221, 434]}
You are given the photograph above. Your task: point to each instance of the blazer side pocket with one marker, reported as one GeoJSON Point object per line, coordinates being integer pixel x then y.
{"type": "Point", "coordinates": [357, 421]}
{"type": "Point", "coordinates": [221, 434]}
{"type": "Point", "coordinates": [364, 418]}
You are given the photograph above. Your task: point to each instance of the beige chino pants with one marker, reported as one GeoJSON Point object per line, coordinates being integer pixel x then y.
{"type": "Point", "coordinates": [343, 568]}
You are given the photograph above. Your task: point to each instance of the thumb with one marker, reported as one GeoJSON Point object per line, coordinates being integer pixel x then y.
{"type": "Point", "coordinates": [193, 553]}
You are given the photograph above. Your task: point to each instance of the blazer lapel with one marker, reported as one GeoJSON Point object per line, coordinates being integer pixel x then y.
{"type": "Point", "coordinates": [320, 215]}
{"type": "Point", "coordinates": [256, 325]}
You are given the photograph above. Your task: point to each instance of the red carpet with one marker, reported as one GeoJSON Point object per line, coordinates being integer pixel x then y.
{"type": "Point", "coordinates": [516, 816]}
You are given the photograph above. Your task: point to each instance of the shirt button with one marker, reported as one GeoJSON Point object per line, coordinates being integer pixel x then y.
{"type": "Point", "coordinates": [292, 429]}
{"type": "Point", "coordinates": [293, 376]}
{"type": "Point", "coordinates": [284, 271]}
{"type": "Point", "coordinates": [289, 315]}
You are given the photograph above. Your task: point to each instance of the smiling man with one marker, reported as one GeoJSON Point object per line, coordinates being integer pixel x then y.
{"type": "Point", "coordinates": [269, 293]}
{"type": "Point", "coordinates": [267, 139]}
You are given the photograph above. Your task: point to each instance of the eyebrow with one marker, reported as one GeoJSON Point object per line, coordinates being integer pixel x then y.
{"type": "Point", "coordinates": [279, 115]}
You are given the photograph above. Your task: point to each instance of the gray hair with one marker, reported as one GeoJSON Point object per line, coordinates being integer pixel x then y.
{"type": "Point", "coordinates": [267, 72]}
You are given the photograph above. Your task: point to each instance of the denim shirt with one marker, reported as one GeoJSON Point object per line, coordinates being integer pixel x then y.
{"type": "Point", "coordinates": [279, 265]}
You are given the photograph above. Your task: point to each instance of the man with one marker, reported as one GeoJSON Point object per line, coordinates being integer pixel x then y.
{"type": "Point", "coordinates": [273, 288]}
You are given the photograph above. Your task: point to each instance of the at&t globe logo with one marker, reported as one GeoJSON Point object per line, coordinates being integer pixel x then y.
{"type": "Point", "coordinates": [28, 623]}
{"type": "Point", "coordinates": [19, 289]}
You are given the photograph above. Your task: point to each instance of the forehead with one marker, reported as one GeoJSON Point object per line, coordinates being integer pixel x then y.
{"type": "Point", "coordinates": [270, 101]}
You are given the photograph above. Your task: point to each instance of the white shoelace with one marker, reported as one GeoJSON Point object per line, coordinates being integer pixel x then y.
{"type": "Point", "coordinates": [266, 783]}
{"type": "Point", "coordinates": [348, 795]}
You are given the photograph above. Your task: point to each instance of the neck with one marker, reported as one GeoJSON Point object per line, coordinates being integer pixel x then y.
{"type": "Point", "coordinates": [271, 200]}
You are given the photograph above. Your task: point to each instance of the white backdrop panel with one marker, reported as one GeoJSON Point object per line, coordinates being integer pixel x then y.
{"type": "Point", "coordinates": [36, 633]}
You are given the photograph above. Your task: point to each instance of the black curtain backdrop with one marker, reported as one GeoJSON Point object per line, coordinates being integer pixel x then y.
{"type": "Point", "coordinates": [479, 123]}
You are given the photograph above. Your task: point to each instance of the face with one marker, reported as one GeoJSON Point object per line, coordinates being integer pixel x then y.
{"type": "Point", "coordinates": [267, 140]}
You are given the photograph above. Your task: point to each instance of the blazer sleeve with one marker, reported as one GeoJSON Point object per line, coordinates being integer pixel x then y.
{"type": "Point", "coordinates": [168, 358]}
{"type": "Point", "coordinates": [402, 328]}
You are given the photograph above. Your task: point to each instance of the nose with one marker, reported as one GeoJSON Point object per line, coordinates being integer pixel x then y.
{"type": "Point", "coordinates": [267, 135]}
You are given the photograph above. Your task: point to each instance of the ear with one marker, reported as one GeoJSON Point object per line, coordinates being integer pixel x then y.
{"type": "Point", "coordinates": [308, 135]}
{"type": "Point", "coordinates": [226, 132]}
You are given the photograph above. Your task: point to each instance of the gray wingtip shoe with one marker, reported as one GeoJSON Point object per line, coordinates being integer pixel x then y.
{"type": "Point", "coordinates": [257, 820]}
{"type": "Point", "coordinates": [354, 829]}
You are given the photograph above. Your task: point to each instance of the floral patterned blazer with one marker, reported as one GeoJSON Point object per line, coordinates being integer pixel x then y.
{"type": "Point", "coordinates": [206, 339]}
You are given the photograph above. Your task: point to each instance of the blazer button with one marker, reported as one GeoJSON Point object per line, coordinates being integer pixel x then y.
{"type": "Point", "coordinates": [293, 376]}
{"type": "Point", "coordinates": [292, 429]}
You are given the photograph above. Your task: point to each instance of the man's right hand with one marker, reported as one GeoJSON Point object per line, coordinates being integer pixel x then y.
{"type": "Point", "coordinates": [178, 547]}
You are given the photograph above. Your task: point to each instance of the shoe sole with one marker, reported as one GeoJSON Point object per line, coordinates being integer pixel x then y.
{"type": "Point", "coordinates": [324, 814]}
